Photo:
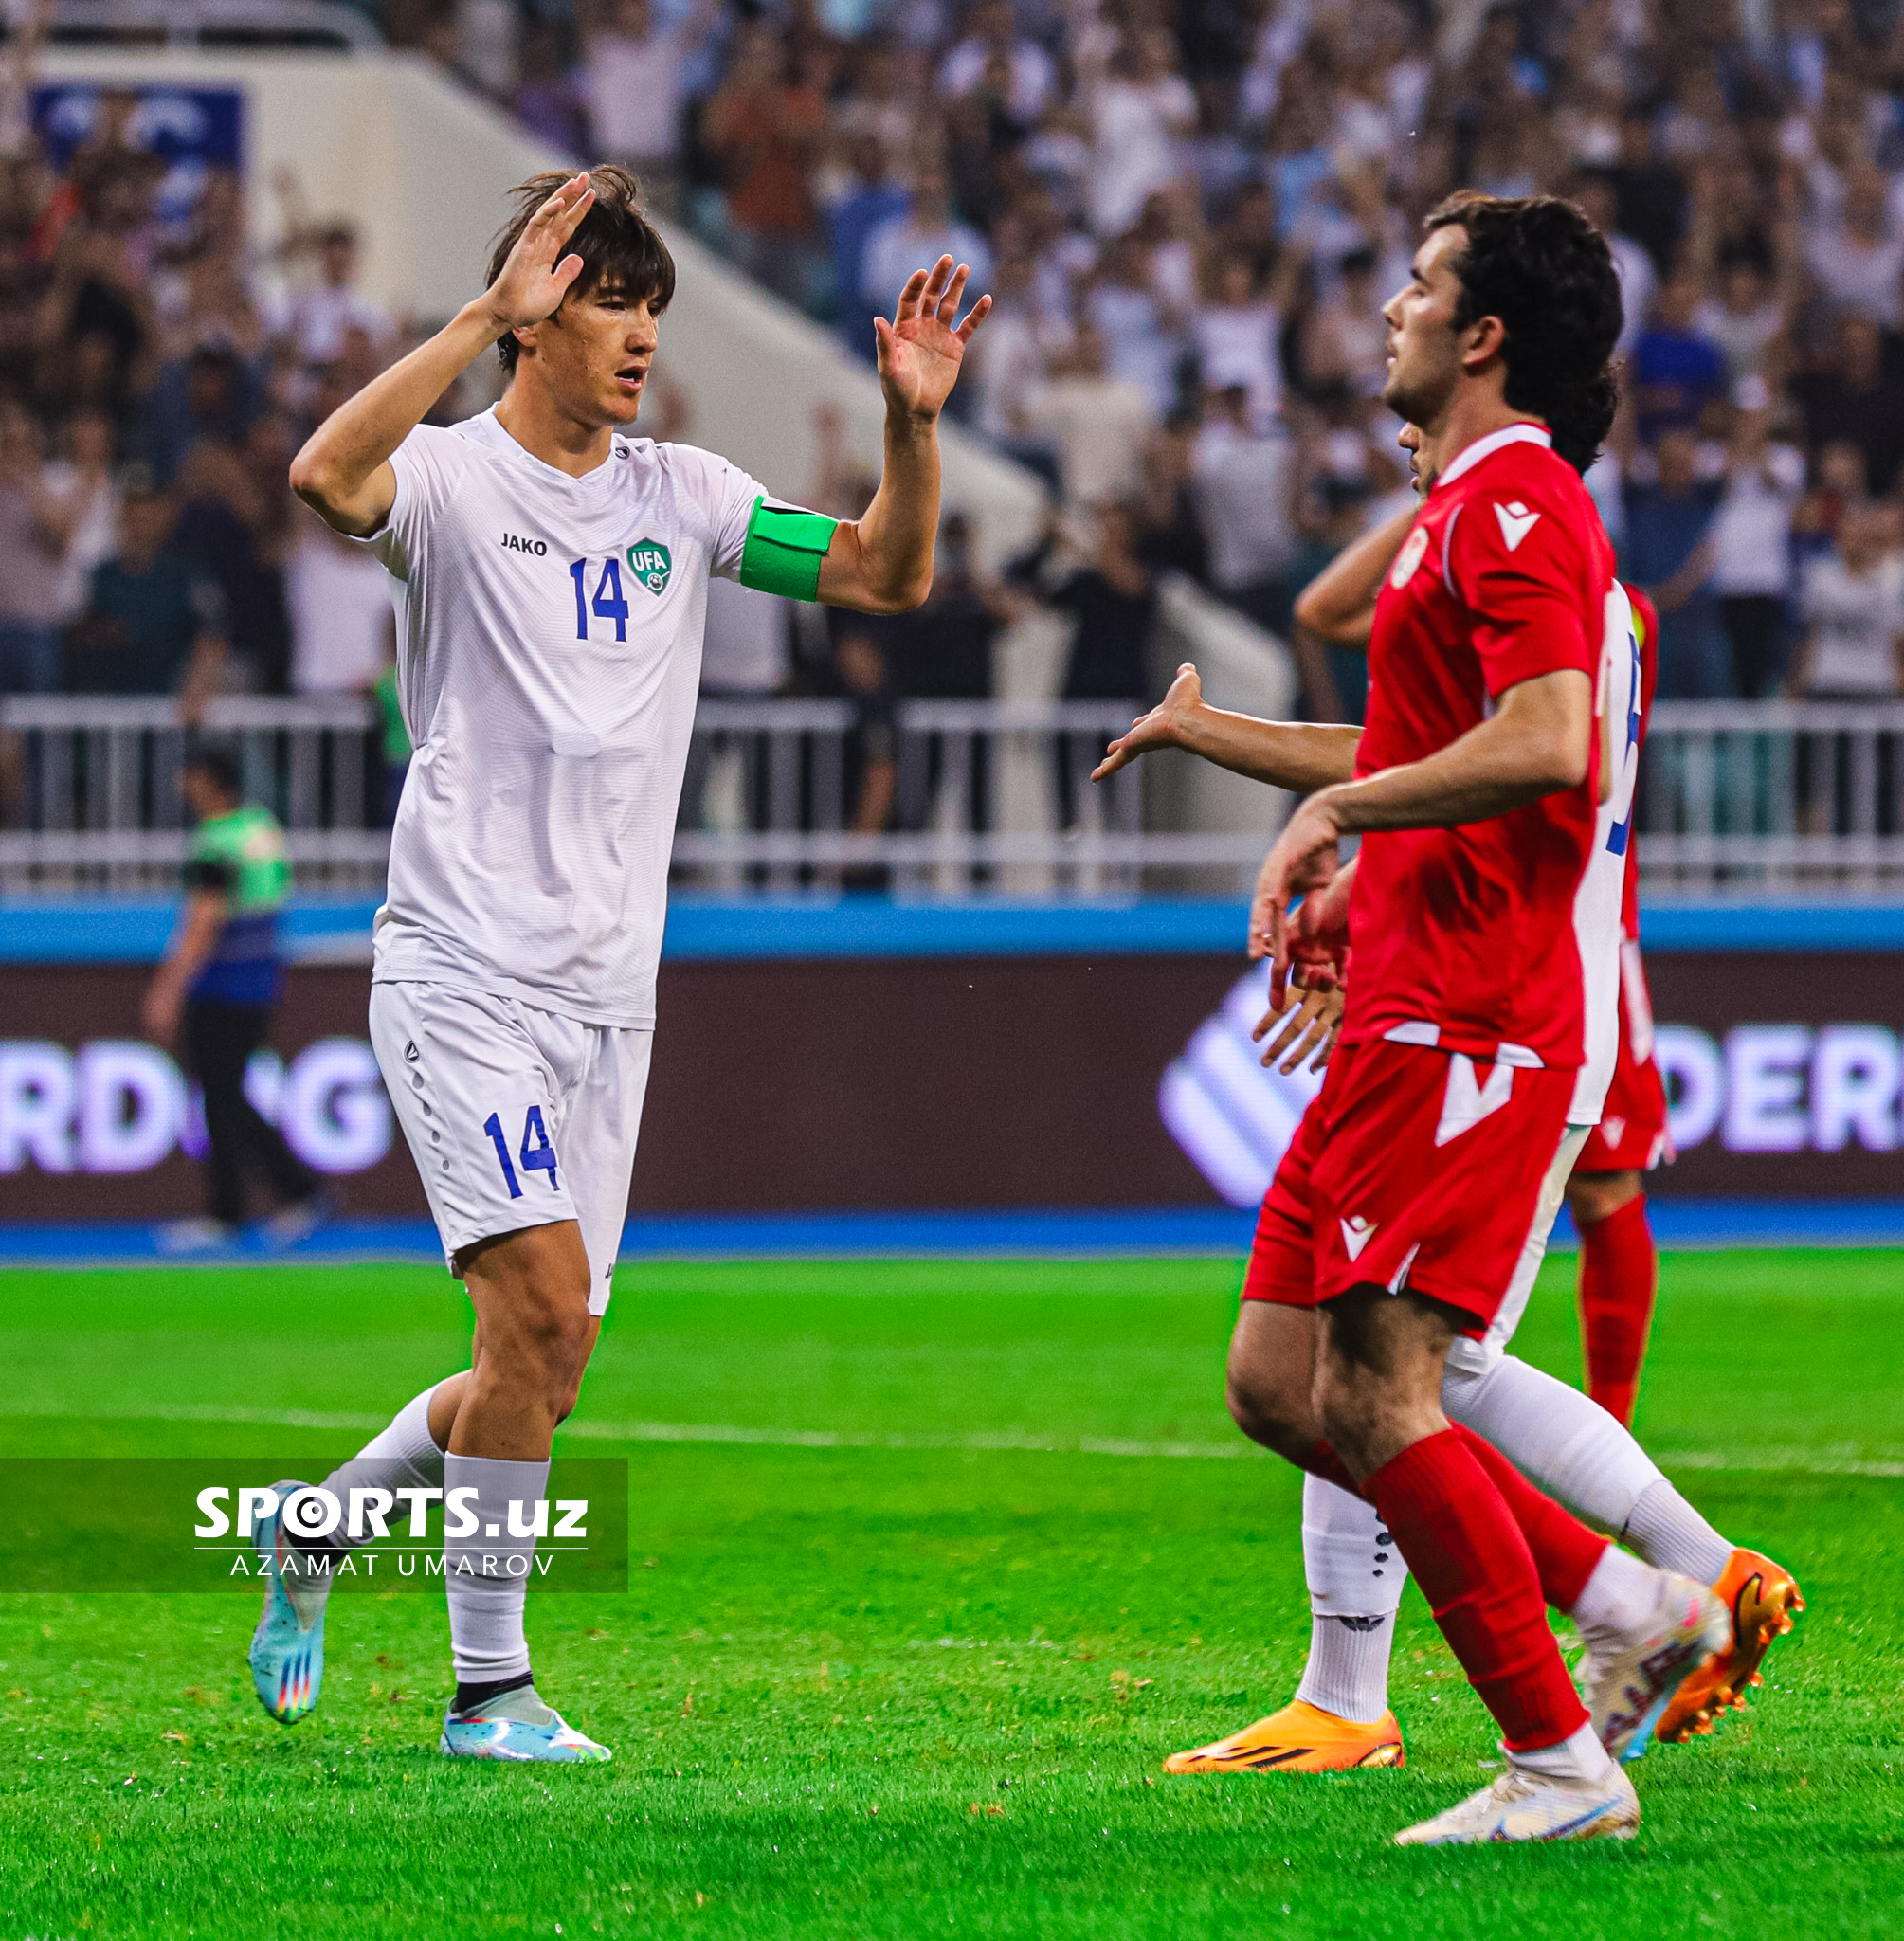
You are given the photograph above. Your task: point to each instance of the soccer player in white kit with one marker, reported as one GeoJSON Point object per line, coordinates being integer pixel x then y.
{"type": "Point", "coordinates": [550, 575]}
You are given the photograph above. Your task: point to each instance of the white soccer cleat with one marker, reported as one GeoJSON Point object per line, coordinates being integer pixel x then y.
{"type": "Point", "coordinates": [519, 1728]}
{"type": "Point", "coordinates": [1523, 1805]}
{"type": "Point", "coordinates": [1630, 1677]}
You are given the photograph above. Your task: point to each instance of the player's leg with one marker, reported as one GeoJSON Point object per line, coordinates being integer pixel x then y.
{"type": "Point", "coordinates": [530, 1294]}
{"type": "Point", "coordinates": [456, 1064]}
{"type": "Point", "coordinates": [1270, 1388]}
{"type": "Point", "coordinates": [1619, 1281]}
{"type": "Point", "coordinates": [1379, 1390]}
{"type": "Point", "coordinates": [219, 1040]}
{"type": "Point", "coordinates": [1353, 1574]}
{"type": "Point", "coordinates": [540, 1298]}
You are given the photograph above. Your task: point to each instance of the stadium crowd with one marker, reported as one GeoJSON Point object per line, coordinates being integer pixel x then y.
{"type": "Point", "coordinates": [1191, 215]}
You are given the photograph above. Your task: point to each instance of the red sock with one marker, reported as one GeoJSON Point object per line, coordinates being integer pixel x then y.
{"type": "Point", "coordinates": [1564, 1550]}
{"type": "Point", "coordinates": [1619, 1277]}
{"type": "Point", "coordinates": [1459, 1538]}
{"type": "Point", "coordinates": [1325, 1463]}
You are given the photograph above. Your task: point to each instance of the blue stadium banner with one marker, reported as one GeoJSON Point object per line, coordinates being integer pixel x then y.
{"type": "Point", "coordinates": [192, 130]}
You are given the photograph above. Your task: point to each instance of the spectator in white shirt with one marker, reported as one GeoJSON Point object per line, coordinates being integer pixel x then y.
{"type": "Point", "coordinates": [1098, 423]}
{"type": "Point", "coordinates": [1141, 114]}
{"type": "Point", "coordinates": [1237, 334]}
{"type": "Point", "coordinates": [634, 82]}
{"type": "Point", "coordinates": [1010, 359]}
{"type": "Point", "coordinates": [1144, 339]}
{"type": "Point", "coordinates": [1752, 544]}
{"type": "Point", "coordinates": [926, 232]}
{"type": "Point", "coordinates": [83, 507]}
{"type": "Point", "coordinates": [317, 321]}
{"type": "Point", "coordinates": [1244, 476]}
{"type": "Point", "coordinates": [1853, 605]}
{"type": "Point", "coordinates": [1858, 261]}
{"type": "Point", "coordinates": [337, 598]}
{"type": "Point", "coordinates": [1746, 320]}
{"type": "Point", "coordinates": [1632, 264]}
{"type": "Point", "coordinates": [990, 35]}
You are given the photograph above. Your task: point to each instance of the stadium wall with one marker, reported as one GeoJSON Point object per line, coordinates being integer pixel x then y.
{"type": "Point", "coordinates": [951, 1058]}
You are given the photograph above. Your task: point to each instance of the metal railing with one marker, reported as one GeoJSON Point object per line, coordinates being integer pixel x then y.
{"type": "Point", "coordinates": [1773, 799]}
{"type": "Point", "coordinates": [90, 798]}
{"type": "Point", "coordinates": [987, 798]}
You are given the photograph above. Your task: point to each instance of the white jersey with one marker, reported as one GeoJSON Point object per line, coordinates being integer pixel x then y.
{"type": "Point", "coordinates": [549, 641]}
{"type": "Point", "coordinates": [1599, 902]}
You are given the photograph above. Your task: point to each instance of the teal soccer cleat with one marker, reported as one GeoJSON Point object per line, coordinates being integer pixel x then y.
{"type": "Point", "coordinates": [287, 1648]}
{"type": "Point", "coordinates": [516, 1725]}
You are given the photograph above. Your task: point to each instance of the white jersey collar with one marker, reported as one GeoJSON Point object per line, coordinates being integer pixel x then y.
{"type": "Point", "coordinates": [488, 429]}
{"type": "Point", "coordinates": [1496, 440]}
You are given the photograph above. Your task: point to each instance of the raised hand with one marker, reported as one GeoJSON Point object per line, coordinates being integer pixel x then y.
{"type": "Point", "coordinates": [919, 351]}
{"type": "Point", "coordinates": [1304, 859]}
{"type": "Point", "coordinates": [1161, 728]}
{"type": "Point", "coordinates": [536, 275]}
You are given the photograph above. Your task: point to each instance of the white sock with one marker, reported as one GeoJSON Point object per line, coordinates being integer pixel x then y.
{"type": "Point", "coordinates": [1622, 1594]}
{"type": "Point", "coordinates": [1561, 1439]}
{"type": "Point", "coordinates": [1578, 1453]}
{"type": "Point", "coordinates": [1347, 1670]}
{"type": "Point", "coordinates": [1578, 1756]}
{"type": "Point", "coordinates": [1667, 1531]}
{"type": "Point", "coordinates": [1356, 1576]}
{"type": "Point", "coordinates": [486, 1574]}
{"type": "Point", "coordinates": [404, 1456]}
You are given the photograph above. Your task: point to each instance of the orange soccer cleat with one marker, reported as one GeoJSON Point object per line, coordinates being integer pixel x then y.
{"type": "Point", "coordinates": [1299, 1739]}
{"type": "Point", "coordinates": [1761, 1599]}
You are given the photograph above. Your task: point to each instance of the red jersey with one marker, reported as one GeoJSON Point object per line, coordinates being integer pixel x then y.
{"type": "Point", "coordinates": [1469, 939]}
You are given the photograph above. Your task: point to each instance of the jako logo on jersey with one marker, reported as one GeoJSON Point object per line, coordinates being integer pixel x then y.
{"type": "Point", "coordinates": [511, 543]}
{"type": "Point", "coordinates": [649, 562]}
{"type": "Point", "coordinates": [1409, 558]}
{"type": "Point", "coordinates": [1517, 522]}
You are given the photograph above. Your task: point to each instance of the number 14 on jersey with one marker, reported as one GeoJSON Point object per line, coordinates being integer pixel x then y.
{"type": "Point", "coordinates": [608, 602]}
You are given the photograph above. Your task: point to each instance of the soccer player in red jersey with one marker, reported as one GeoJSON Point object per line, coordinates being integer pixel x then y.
{"type": "Point", "coordinates": [1339, 1719]}
{"type": "Point", "coordinates": [1618, 1268]}
{"type": "Point", "coordinates": [1485, 960]}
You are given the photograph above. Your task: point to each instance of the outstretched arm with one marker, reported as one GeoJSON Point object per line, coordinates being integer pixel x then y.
{"type": "Point", "coordinates": [884, 563]}
{"type": "Point", "coordinates": [1538, 740]}
{"type": "Point", "coordinates": [1338, 605]}
{"type": "Point", "coordinates": [344, 470]}
{"type": "Point", "coordinates": [1286, 754]}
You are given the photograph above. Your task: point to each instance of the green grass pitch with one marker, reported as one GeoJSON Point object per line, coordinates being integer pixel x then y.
{"type": "Point", "coordinates": [919, 1681]}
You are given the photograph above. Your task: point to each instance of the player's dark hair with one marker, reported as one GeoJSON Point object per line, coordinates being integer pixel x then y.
{"type": "Point", "coordinates": [219, 764]}
{"type": "Point", "coordinates": [1539, 265]}
{"type": "Point", "coordinates": [620, 248]}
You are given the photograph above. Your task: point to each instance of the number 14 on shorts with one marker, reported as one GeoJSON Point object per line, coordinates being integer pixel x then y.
{"type": "Point", "coordinates": [540, 1158]}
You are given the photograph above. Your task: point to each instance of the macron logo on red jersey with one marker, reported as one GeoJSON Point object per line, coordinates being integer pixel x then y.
{"type": "Point", "coordinates": [1517, 522]}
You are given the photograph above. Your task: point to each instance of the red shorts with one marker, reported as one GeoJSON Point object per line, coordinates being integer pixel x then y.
{"type": "Point", "coordinates": [1412, 1168]}
{"type": "Point", "coordinates": [1631, 1135]}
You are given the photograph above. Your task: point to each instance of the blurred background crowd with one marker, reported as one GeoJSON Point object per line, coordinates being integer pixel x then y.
{"type": "Point", "coordinates": [1190, 212]}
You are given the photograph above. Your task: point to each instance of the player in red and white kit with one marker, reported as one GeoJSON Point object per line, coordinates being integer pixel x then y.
{"type": "Point", "coordinates": [1618, 1268]}
{"type": "Point", "coordinates": [1339, 1719]}
{"type": "Point", "coordinates": [1485, 965]}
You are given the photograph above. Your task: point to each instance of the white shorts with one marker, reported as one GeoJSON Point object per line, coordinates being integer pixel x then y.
{"type": "Point", "coordinates": [514, 1117]}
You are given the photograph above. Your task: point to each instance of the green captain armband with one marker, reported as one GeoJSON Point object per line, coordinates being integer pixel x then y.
{"type": "Point", "coordinates": [784, 548]}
